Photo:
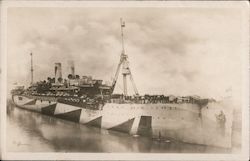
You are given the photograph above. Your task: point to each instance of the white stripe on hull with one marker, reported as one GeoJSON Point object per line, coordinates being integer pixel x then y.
{"type": "Point", "coordinates": [64, 108]}
{"type": "Point", "coordinates": [88, 115]}
{"type": "Point", "coordinates": [115, 114]}
{"type": "Point", "coordinates": [22, 101]}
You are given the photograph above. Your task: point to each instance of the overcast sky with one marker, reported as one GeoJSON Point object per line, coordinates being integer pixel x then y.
{"type": "Point", "coordinates": [176, 51]}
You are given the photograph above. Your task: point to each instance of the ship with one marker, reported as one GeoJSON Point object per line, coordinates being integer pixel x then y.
{"type": "Point", "coordinates": [89, 101]}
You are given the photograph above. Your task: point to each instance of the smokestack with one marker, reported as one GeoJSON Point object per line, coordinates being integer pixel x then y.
{"type": "Point", "coordinates": [58, 71]}
{"type": "Point", "coordinates": [72, 68]}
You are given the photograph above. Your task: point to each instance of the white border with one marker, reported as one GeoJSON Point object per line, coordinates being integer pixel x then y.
{"type": "Point", "coordinates": [129, 156]}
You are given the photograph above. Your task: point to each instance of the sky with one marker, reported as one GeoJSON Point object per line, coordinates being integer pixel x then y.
{"type": "Point", "coordinates": [187, 51]}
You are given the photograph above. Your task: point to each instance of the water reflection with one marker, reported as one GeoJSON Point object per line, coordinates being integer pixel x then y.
{"type": "Point", "coordinates": [32, 132]}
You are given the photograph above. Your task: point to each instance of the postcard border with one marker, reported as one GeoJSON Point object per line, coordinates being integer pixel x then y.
{"type": "Point", "coordinates": [127, 156]}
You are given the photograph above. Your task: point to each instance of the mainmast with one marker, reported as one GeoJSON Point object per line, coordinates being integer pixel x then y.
{"type": "Point", "coordinates": [125, 67]}
{"type": "Point", "coordinates": [122, 26]}
{"type": "Point", "coordinates": [31, 68]}
{"type": "Point", "coordinates": [124, 71]}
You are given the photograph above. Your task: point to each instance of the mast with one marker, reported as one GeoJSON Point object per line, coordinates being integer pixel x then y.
{"type": "Point", "coordinates": [125, 66]}
{"type": "Point", "coordinates": [31, 68]}
{"type": "Point", "coordinates": [122, 25]}
{"type": "Point", "coordinates": [124, 73]}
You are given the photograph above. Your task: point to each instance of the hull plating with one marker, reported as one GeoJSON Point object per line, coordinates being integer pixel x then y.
{"type": "Point", "coordinates": [184, 122]}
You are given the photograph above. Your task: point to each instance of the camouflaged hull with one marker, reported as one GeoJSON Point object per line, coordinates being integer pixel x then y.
{"type": "Point", "coordinates": [184, 122]}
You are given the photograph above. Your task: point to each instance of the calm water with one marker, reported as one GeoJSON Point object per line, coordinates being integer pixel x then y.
{"type": "Point", "coordinates": [32, 132]}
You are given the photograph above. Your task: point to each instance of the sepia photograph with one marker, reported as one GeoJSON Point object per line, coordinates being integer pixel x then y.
{"type": "Point", "coordinates": [125, 79]}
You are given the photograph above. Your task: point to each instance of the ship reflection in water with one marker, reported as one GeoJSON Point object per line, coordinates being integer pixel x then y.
{"type": "Point", "coordinates": [32, 132]}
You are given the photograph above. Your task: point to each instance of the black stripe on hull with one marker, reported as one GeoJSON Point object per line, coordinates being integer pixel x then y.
{"type": "Point", "coordinates": [145, 126]}
{"type": "Point", "coordinates": [33, 102]}
{"type": "Point", "coordinates": [124, 127]}
{"type": "Point", "coordinates": [96, 122]}
{"type": "Point", "coordinates": [49, 110]}
{"type": "Point", "coordinates": [71, 116]}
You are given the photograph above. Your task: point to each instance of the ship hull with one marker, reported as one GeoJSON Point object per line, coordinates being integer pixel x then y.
{"type": "Point", "coordinates": [184, 122]}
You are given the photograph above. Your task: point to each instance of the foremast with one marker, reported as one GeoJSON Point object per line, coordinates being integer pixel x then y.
{"type": "Point", "coordinates": [124, 63]}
